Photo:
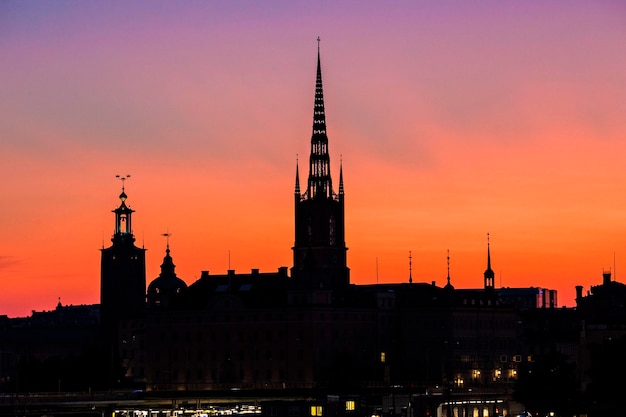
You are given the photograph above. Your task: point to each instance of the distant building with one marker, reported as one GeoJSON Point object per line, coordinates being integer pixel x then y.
{"type": "Point", "coordinates": [602, 313]}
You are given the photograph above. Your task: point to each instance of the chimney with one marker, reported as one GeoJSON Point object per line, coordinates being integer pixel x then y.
{"type": "Point", "coordinates": [579, 292]}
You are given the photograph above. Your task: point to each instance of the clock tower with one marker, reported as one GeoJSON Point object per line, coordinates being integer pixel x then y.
{"type": "Point", "coordinates": [319, 252]}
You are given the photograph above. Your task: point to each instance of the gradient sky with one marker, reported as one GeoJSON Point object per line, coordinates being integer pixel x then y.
{"type": "Point", "coordinates": [453, 119]}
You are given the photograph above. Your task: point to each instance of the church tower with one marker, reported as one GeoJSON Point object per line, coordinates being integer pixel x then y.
{"type": "Point", "coordinates": [122, 271]}
{"type": "Point", "coordinates": [319, 252]}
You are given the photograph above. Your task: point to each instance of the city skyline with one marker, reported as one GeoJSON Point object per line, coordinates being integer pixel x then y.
{"type": "Point", "coordinates": [451, 122]}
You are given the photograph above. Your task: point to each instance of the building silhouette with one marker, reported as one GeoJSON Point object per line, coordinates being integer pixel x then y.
{"type": "Point", "coordinates": [123, 272]}
{"type": "Point", "coordinates": [308, 328]}
{"type": "Point", "coordinates": [313, 328]}
{"type": "Point", "coordinates": [319, 251]}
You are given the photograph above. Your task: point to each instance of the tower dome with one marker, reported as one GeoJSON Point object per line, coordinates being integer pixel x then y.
{"type": "Point", "coordinates": [167, 285]}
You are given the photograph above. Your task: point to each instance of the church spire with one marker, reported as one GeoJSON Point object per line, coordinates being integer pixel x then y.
{"type": "Point", "coordinates": [320, 183]}
{"type": "Point", "coordinates": [489, 274]}
{"type": "Point", "coordinates": [341, 177]}
{"type": "Point", "coordinates": [297, 190]}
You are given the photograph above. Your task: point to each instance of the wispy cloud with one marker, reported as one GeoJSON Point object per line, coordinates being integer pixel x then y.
{"type": "Point", "coordinates": [6, 262]}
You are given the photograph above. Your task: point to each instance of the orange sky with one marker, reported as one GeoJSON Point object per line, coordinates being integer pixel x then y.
{"type": "Point", "coordinates": [453, 121]}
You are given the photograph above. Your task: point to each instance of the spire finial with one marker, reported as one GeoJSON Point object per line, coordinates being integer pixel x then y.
{"type": "Point", "coordinates": [122, 178]}
{"type": "Point", "coordinates": [410, 268]}
{"type": "Point", "coordinates": [488, 252]}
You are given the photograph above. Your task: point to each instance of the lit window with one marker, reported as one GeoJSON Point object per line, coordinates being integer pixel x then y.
{"type": "Point", "coordinates": [350, 405]}
{"type": "Point", "coordinates": [383, 357]}
{"type": "Point", "coordinates": [316, 411]}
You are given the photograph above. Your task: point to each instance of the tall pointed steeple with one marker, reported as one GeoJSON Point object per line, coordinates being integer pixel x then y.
{"type": "Point", "coordinates": [319, 251]}
{"type": "Point", "coordinates": [489, 274]}
{"type": "Point", "coordinates": [341, 193]}
{"type": "Point", "coordinates": [297, 189]}
{"type": "Point", "coordinates": [319, 183]}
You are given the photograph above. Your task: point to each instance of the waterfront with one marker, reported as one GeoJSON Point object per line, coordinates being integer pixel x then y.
{"type": "Point", "coordinates": [396, 402]}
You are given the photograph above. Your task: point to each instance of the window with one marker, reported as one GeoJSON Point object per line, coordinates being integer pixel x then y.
{"type": "Point", "coordinates": [350, 405]}
{"type": "Point", "coordinates": [383, 357]}
{"type": "Point", "coordinates": [316, 411]}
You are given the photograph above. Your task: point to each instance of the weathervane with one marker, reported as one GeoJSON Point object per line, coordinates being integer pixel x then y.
{"type": "Point", "coordinates": [167, 238]}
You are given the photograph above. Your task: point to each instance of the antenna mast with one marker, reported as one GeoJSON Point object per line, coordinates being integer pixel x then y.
{"type": "Point", "coordinates": [410, 268]}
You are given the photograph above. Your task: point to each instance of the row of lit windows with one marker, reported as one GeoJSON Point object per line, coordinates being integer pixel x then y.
{"type": "Point", "coordinates": [476, 376]}
{"type": "Point", "coordinates": [314, 410]}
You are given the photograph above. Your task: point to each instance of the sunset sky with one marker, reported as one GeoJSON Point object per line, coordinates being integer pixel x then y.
{"type": "Point", "coordinates": [453, 119]}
